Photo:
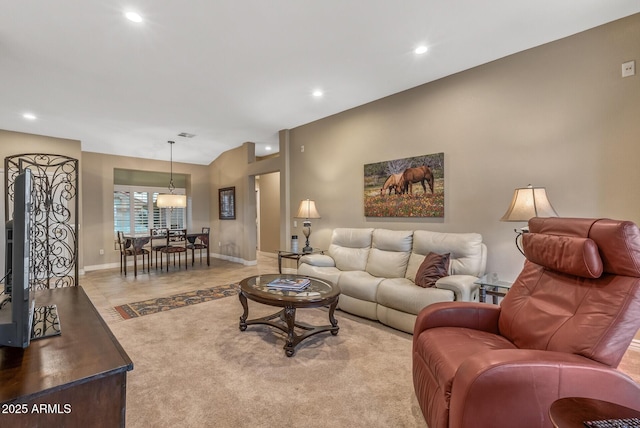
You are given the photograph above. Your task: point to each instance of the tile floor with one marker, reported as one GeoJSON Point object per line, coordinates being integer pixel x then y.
{"type": "Point", "coordinates": [108, 288]}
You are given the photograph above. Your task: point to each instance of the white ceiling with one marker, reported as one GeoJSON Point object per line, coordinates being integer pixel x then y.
{"type": "Point", "coordinates": [232, 71]}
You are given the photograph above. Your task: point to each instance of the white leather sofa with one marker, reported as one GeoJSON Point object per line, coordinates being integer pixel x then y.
{"type": "Point", "coordinates": [375, 270]}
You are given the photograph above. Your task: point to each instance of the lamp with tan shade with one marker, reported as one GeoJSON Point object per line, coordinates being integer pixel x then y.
{"type": "Point", "coordinates": [528, 202]}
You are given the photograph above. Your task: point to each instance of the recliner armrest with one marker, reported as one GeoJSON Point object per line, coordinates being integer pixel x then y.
{"type": "Point", "coordinates": [509, 387]}
{"type": "Point", "coordinates": [320, 260]}
{"type": "Point", "coordinates": [478, 316]}
{"type": "Point", "coordinates": [464, 286]}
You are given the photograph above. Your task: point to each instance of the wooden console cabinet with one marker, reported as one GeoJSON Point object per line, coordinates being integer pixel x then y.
{"type": "Point", "coordinates": [76, 379]}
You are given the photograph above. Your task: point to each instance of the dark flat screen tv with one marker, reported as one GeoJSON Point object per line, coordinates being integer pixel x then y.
{"type": "Point", "coordinates": [16, 312]}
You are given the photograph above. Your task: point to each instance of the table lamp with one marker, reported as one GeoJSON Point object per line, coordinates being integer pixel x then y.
{"type": "Point", "coordinates": [528, 202]}
{"type": "Point", "coordinates": [306, 211]}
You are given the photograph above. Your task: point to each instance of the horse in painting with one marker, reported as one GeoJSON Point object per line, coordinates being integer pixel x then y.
{"type": "Point", "coordinates": [418, 174]}
{"type": "Point", "coordinates": [394, 182]}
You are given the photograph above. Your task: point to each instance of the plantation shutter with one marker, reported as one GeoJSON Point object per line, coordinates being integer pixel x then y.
{"type": "Point", "coordinates": [121, 212]}
{"type": "Point", "coordinates": [135, 211]}
{"type": "Point", "coordinates": [141, 212]}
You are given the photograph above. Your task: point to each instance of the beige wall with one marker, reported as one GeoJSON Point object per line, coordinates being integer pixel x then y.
{"type": "Point", "coordinates": [558, 116]}
{"type": "Point", "coordinates": [13, 143]}
{"type": "Point", "coordinates": [97, 188]}
{"type": "Point", "coordinates": [236, 240]}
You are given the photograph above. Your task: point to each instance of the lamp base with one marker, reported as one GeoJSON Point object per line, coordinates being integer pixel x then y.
{"type": "Point", "coordinates": [306, 230]}
{"type": "Point", "coordinates": [519, 234]}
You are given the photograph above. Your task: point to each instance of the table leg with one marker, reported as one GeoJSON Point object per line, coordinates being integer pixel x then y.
{"type": "Point", "coordinates": [495, 299]}
{"type": "Point", "coordinates": [245, 306]}
{"type": "Point", "coordinates": [135, 262]}
{"type": "Point", "coordinates": [483, 294]}
{"type": "Point", "coordinates": [279, 262]}
{"type": "Point", "coordinates": [290, 319]}
{"type": "Point", "coordinates": [332, 319]}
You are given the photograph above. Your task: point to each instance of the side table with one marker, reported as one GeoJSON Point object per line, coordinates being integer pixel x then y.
{"type": "Point", "coordinates": [572, 412]}
{"type": "Point", "coordinates": [491, 284]}
{"type": "Point", "coordinates": [284, 254]}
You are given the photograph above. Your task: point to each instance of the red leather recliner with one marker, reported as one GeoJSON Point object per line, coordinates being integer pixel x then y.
{"type": "Point", "coordinates": [561, 331]}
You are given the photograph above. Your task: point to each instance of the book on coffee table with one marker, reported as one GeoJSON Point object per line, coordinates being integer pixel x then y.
{"type": "Point", "coordinates": [289, 283]}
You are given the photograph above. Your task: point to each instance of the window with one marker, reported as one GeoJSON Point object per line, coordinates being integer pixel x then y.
{"type": "Point", "coordinates": [135, 210]}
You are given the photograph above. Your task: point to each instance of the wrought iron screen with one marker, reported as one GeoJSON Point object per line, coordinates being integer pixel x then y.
{"type": "Point", "coordinates": [55, 206]}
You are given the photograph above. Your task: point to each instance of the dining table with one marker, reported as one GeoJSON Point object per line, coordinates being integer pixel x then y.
{"type": "Point", "coordinates": [139, 240]}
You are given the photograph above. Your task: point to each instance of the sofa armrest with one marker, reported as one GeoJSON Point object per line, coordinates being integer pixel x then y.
{"type": "Point", "coordinates": [512, 386]}
{"type": "Point", "coordinates": [320, 260]}
{"type": "Point", "coordinates": [463, 286]}
{"type": "Point", "coordinates": [477, 316]}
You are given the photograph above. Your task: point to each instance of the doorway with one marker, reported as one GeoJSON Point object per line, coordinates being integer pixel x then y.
{"type": "Point", "coordinates": [267, 193]}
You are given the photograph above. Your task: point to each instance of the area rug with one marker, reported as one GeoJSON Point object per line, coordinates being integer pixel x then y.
{"type": "Point", "coordinates": [193, 367]}
{"type": "Point", "coordinates": [153, 306]}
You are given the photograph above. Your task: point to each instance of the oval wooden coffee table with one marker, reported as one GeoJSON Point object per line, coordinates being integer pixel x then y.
{"type": "Point", "coordinates": [318, 293]}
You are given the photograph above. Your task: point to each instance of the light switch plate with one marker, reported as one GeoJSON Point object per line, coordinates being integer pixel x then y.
{"type": "Point", "coordinates": [628, 68]}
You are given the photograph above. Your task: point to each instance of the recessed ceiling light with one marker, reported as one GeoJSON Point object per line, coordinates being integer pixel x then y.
{"type": "Point", "coordinates": [317, 93]}
{"type": "Point", "coordinates": [29, 116]}
{"type": "Point", "coordinates": [133, 16]}
{"type": "Point", "coordinates": [420, 50]}
{"type": "Point", "coordinates": [268, 148]}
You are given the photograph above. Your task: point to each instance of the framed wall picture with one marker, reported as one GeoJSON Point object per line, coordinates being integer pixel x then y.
{"type": "Point", "coordinates": [409, 187]}
{"type": "Point", "coordinates": [227, 201]}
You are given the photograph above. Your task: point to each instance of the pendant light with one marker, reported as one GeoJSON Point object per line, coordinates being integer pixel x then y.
{"type": "Point", "coordinates": [171, 200]}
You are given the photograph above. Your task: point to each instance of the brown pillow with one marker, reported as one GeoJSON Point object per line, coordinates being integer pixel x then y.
{"type": "Point", "coordinates": [434, 267]}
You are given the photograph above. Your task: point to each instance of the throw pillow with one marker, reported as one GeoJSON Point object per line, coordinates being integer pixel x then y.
{"type": "Point", "coordinates": [434, 267]}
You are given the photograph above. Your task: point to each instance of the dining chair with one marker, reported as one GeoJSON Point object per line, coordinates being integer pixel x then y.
{"type": "Point", "coordinates": [128, 248]}
{"type": "Point", "coordinates": [199, 242]}
{"type": "Point", "coordinates": [176, 244]}
{"type": "Point", "coordinates": [159, 235]}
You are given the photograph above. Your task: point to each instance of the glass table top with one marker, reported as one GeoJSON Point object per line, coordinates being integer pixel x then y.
{"type": "Point", "coordinates": [492, 279]}
{"type": "Point", "coordinates": [317, 289]}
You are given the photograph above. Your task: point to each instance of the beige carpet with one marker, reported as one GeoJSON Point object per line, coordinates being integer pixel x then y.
{"type": "Point", "coordinates": [193, 367]}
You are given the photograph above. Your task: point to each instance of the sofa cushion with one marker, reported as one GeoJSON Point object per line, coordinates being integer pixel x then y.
{"type": "Point", "coordinates": [433, 267]}
{"type": "Point", "coordinates": [466, 250]}
{"type": "Point", "coordinates": [350, 248]}
{"type": "Point", "coordinates": [359, 284]}
{"type": "Point", "coordinates": [390, 251]}
{"type": "Point", "coordinates": [401, 294]}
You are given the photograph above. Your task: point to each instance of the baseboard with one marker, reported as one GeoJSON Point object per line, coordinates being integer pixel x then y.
{"type": "Point", "coordinates": [635, 345]}
{"type": "Point", "coordinates": [234, 259]}
{"type": "Point", "coordinates": [103, 266]}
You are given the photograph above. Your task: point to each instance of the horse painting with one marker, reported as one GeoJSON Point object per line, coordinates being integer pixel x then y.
{"type": "Point", "coordinates": [417, 175]}
{"type": "Point", "coordinates": [394, 182]}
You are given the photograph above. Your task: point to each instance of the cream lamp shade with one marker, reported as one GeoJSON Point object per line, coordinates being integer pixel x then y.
{"type": "Point", "coordinates": [529, 202]}
{"type": "Point", "coordinates": [307, 209]}
{"type": "Point", "coordinates": [171, 200]}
